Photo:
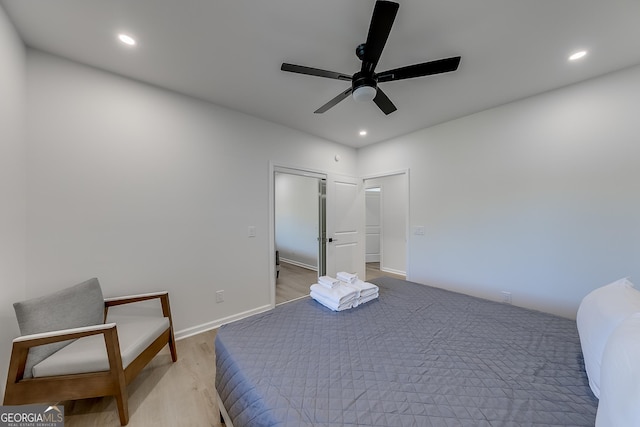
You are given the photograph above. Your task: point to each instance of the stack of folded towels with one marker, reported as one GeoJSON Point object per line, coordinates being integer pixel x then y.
{"type": "Point", "coordinates": [344, 292]}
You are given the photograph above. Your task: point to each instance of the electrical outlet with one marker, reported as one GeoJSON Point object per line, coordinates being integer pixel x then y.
{"type": "Point", "coordinates": [506, 297]}
{"type": "Point", "coordinates": [219, 296]}
{"type": "Point", "coordinates": [251, 231]}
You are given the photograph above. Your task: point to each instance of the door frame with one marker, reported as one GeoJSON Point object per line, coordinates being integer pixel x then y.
{"type": "Point", "coordinates": [405, 172]}
{"type": "Point", "coordinates": [294, 170]}
{"type": "Point", "coordinates": [366, 190]}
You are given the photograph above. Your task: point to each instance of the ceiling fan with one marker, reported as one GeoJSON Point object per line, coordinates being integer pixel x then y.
{"type": "Point", "coordinates": [364, 83]}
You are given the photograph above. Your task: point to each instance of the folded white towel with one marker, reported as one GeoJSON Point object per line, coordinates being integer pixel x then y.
{"type": "Point", "coordinates": [339, 295]}
{"type": "Point", "coordinates": [329, 282]}
{"type": "Point", "coordinates": [331, 305]}
{"type": "Point", "coordinates": [367, 299]}
{"type": "Point", "coordinates": [347, 277]}
{"type": "Point", "coordinates": [363, 289]}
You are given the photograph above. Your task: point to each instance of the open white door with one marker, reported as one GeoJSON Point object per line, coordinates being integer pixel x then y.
{"type": "Point", "coordinates": [345, 225]}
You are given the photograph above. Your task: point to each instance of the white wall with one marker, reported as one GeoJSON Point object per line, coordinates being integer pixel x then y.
{"type": "Point", "coordinates": [539, 197]}
{"type": "Point", "coordinates": [297, 217]}
{"type": "Point", "coordinates": [394, 204]}
{"type": "Point", "coordinates": [12, 186]}
{"type": "Point", "coordinates": [148, 189]}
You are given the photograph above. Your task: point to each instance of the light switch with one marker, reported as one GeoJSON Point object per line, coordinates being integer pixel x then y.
{"type": "Point", "coordinates": [252, 231]}
{"type": "Point", "coordinates": [418, 230]}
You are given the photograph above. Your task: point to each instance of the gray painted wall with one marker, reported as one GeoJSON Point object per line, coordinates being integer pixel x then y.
{"type": "Point", "coordinates": [12, 186]}
{"type": "Point", "coordinates": [538, 198]}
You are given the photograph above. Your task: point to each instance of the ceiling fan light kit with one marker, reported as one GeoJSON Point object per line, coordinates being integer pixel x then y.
{"type": "Point", "coordinates": [364, 93]}
{"type": "Point", "coordinates": [364, 84]}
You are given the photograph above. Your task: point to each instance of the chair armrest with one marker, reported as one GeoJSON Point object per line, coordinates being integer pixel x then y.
{"type": "Point", "coordinates": [22, 344]}
{"type": "Point", "coordinates": [163, 296]}
{"type": "Point", "coordinates": [128, 299]}
{"type": "Point", "coordinates": [62, 335]}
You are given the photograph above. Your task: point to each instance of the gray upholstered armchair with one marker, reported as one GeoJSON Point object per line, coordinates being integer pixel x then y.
{"type": "Point", "coordinates": [71, 347]}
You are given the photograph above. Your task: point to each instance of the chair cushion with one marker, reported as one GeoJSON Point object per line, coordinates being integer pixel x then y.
{"type": "Point", "coordinates": [89, 354]}
{"type": "Point", "coordinates": [73, 307]}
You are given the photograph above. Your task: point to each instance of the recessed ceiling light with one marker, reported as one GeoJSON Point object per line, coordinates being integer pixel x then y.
{"type": "Point", "coordinates": [578, 55]}
{"type": "Point", "coordinates": [363, 133]}
{"type": "Point", "coordinates": [127, 39]}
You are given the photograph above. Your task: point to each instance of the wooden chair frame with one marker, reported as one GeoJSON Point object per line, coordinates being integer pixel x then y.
{"type": "Point", "coordinates": [114, 382]}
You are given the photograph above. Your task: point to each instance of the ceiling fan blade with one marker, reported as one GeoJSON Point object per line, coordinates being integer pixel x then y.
{"type": "Point", "coordinates": [300, 69]}
{"type": "Point", "coordinates": [384, 13]}
{"type": "Point", "coordinates": [334, 101]}
{"type": "Point", "coordinates": [418, 70]}
{"type": "Point", "coordinates": [384, 103]}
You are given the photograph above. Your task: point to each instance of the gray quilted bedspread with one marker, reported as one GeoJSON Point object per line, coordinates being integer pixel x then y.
{"type": "Point", "coordinates": [417, 356]}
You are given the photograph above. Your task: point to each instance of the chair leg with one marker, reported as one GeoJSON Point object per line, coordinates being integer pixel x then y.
{"type": "Point", "coordinates": [166, 311]}
{"type": "Point", "coordinates": [118, 379]}
{"type": "Point", "coordinates": [172, 346]}
{"type": "Point", "coordinates": [122, 401]}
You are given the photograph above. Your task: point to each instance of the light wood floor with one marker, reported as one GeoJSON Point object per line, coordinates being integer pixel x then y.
{"type": "Point", "coordinates": [293, 282]}
{"type": "Point", "coordinates": [373, 271]}
{"type": "Point", "coordinates": [167, 394]}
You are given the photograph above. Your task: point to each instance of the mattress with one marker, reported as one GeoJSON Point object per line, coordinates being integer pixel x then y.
{"type": "Point", "coordinates": [416, 356]}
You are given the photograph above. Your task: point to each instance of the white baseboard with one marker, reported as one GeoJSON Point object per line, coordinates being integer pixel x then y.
{"type": "Point", "coordinates": [392, 271]}
{"type": "Point", "coordinates": [299, 264]}
{"type": "Point", "coordinates": [292, 300]}
{"type": "Point", "coordinates": [194, 330]}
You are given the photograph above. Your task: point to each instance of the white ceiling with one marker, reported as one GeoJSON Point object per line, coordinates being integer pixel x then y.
{"type": "Point", "coordinates": [229, 52]}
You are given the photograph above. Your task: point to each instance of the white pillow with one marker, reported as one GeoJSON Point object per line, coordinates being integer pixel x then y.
{"type": "Point", "coordinates": [598, 315]}
{"type": "Point", "coordinates": [619, 404]}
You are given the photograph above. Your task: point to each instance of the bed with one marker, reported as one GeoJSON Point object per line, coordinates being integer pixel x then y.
{"type": "Point", "coordinates": [416, 356]}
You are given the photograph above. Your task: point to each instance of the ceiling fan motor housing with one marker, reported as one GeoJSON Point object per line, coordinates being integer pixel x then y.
{"type": "Point", "coordinates": [360, 51]}
{"type": "Point", "coordinates": [364, 87]}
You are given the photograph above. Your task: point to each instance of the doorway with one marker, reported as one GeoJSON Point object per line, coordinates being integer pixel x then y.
{"type": "Point", "coordinates": [299, 231]}
{"type": "Point", "coordinates": [387, 211]}
{"type": "Point", "coordinates": [340, 233]}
